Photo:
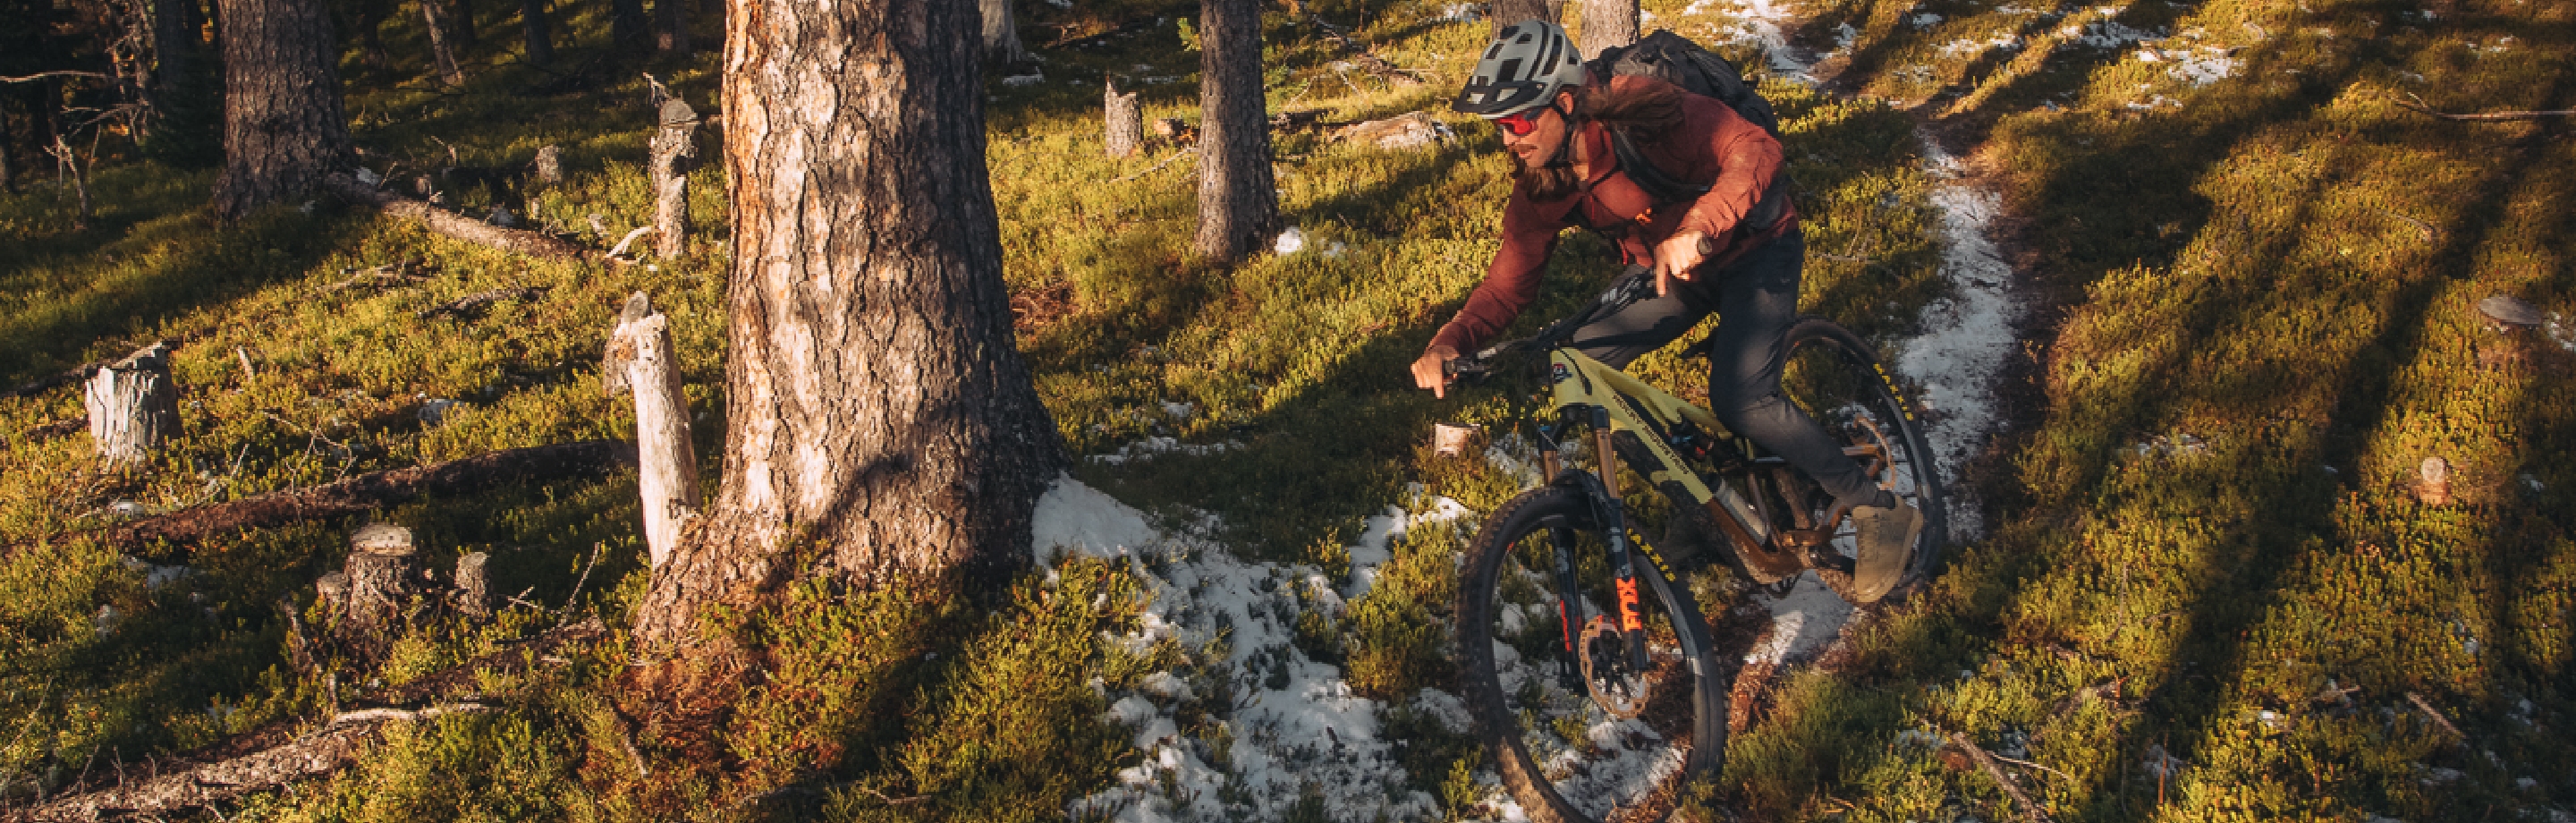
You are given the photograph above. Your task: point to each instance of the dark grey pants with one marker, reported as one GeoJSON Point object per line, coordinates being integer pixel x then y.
{"type": "Point", "coordinates": [1756, 299]}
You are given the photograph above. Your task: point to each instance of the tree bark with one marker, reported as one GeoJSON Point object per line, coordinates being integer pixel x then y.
{"type": "Point", "coordinates": [434, 12]}
{"type": "Point", "coordinates": [879, 413]}
{"type": "Point", "coordinates": [627, 25]}
{"type": "Point", "coordinates": [1607, 24]}
{"type": "Point", "coordinates": [174, 51]}
{"type": "Point", "coordinates": [1124, 131]}
{"type": "Point", "coordinates": [133, 406]}
{"type": "Point", "coordinates": [378, 583]}
{"type": "Point", "coordinates": [540, 39]}
{"type": "Point", "coordinates": [283, 125]}
{"type": "Point", "coordinates": [1238, 200]}
{"type": "Point", "coordinates": [671, 35]}
{"type": "Point", "coordinates": [1001, 33]}
{"type": "Point", "coordinates": [673, 146]}
{"type": "Point", "coordinates": [1507, 12]}
{"type": "Point", "coordinates": [641, 358]}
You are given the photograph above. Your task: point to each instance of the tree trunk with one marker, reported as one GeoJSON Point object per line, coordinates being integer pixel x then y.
{"type": "Point", "coordinates": [1238, 201]}
{"type": "Point", "coordinates": [283, 125]}
{"type": "Point", "coordinates": [1607, 24]}
{"type": "Point", "coordinates": [627, 25]}
{"type": "Point", "coordinates": [434, 13]}
{"type": "Point", "coordinates": [541, 42]}
{"type": "Point", "coordinates": [672, 146]}
{"type": "Point", "coordinates": [671, 35]}
{"type": "Point", "coordinates": [1125, 130]}
{"type": "Point", "coordinates": [879, 411]}
{"type": "Point", "coordinates": [1507, 12]}
{"type": "Point", "coordinates": [1001, 33]}
{"type": "Point", "coordinates": [133, 406]}
{"type": "Point", "coordinates": [640, 357]}
{"type": "Point", "coordinates": [370, 16]}
{"type": "Point", "coordinates": [174, 51]}
{"type": "Point", "coordinates": [473, 580]}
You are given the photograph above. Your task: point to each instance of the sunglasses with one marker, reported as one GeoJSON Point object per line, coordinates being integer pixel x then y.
{"type": "Point", "coordinates": [1520, 123]}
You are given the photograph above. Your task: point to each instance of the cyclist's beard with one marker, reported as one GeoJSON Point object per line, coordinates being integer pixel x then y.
{"type": "Point", "coordinates": [1554, 181]}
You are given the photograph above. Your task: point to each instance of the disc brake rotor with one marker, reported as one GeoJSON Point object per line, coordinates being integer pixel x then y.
{"type": "Point", "coordinates": [1615, 687]}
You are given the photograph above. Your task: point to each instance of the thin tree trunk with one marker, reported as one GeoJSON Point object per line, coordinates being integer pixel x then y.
{"type": "Point", "coordinates": [1001, 34]}
{"type": "Point", "coordinates": [627, 25]}
{"type": "Point", "coordinates": [370, 17]}
{"type": "Point", "coordinates": [1124, 129]}
{"type": "Point", "coordinates": [641, 358]}
{"type": "Point", "coordinates": [1507, 12]}
{"type": "Point", "coordinates": [879, 411]}
{"type": "Point", "coordinates": [671, 35]}
{"type": "Point", "coordinates": [1607, 24]}
{"type": "Point", "coordinates": [283, 125]}
{"type": "Point", "coordinates": [174, 51]}
{"type": "Point", "coordinates": [1238, 200]}
{"type": "Point", "coordinates": [541, 42]}
{"type": "Point", "coordinates": [433, 12]}
{"type": "Point", "coordinates": [672, 147]}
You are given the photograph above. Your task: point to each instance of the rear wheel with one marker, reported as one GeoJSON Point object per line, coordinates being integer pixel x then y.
{"type": "Point", "coordinates": [1836, 377]}
{"type": "Point", "coordinates": [1576, 742]}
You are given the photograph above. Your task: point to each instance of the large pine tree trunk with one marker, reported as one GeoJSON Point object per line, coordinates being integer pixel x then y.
{"type": "Point", "coordinates": [1507, 12]}
{"type": "Point", "coordinates": [283, 125]}
{"type": "Point", "coordinates": [878, 412]}
{"type": "Point", "coordinates": [541, 41]}
{"type": "Point", "coordinates": [1238, 201]}
{"type": "Point", "coordinates": [1001, 35]}
{"type": "Point", "coordinates": [1607, 24]}
{"type": "Point", "coordinates": [671, 28]}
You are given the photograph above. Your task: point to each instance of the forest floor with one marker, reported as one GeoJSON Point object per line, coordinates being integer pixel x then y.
{"type": "Point", "coordinates": [2207, 583]}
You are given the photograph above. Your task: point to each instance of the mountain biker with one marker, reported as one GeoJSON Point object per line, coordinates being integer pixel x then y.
{"type": "Point", "coordinates": [1737, 250]}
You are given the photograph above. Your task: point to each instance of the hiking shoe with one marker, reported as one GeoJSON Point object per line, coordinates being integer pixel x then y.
{"type": "Point", "coordinates": [1887, 539]}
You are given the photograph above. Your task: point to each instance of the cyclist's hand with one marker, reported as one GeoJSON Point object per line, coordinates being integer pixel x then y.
{"type": "Point", "coordinates": [1675, 258]}
{"type": "Point", "coordinates": [1428, 372]}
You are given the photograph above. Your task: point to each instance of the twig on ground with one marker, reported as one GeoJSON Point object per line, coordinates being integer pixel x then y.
{"type": "Point", "coordinates": [2029, 810]}
{"type": "Point", "coordinates": [474, 303]}
{"type": "Point", "coordinates": [2030, 765]}
{"type": "Point", "coordinates": [615, 252]}
{"type": "Point", "coordinates": [383, 715]}
{"type": "Point", "coordinates": [1158, 166]}
{"type": "Point", "coordinates": [575, 597]}
{"type": "Point", "coordinates": [2417, 104]}
{"type": "Point", "coordinates": [62, 73]}
{"type": "Point", "coordinates": [2436, 714]}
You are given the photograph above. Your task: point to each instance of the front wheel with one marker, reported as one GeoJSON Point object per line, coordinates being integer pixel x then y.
{"type": "Point", "coordinates": [1575, 743]}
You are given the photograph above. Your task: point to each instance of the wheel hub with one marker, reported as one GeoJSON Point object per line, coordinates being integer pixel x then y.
{"type": "Point", "coordinates": [1615, 686]}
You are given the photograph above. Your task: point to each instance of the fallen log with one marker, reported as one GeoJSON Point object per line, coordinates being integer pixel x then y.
{"type": "Point", "coordinates": [201, 785]}
{"type": "Point", "coordinates": [521, 241]}
{"type": "Point", "coordinates": [384, 488]}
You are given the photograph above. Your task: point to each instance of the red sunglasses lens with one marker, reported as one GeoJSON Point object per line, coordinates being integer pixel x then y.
{"type": "Point", "coordinates": [1516, 124]}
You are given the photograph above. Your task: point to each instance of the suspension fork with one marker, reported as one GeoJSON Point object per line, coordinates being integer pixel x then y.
{"type": "Point", "coordinates": [1614, 526]}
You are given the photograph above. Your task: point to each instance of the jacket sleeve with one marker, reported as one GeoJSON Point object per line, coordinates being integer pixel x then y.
{"type": "Point", "coordinates": [1747, 160]}
{"type": "Point", "coordinates": [1511, 280]}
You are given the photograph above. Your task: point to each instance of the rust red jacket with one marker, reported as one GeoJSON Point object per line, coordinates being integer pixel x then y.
{"type": "Point", "coordinates": [1713, 144]}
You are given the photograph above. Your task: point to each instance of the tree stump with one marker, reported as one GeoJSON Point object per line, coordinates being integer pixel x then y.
{"type": "Point", "coordinates": [1126, 121]}
{"type": "Point", "coordinates": [379, 584]}
{"type": "Point", "coordinates": [474, 584]}
{"type": "Point", "coordinates": [640, 358]}
{"type": "Point", "coordinates": [673, 147]}
{"type": "Point", "coordinates": [133, 405]}
{"type": "Point", "coordinates": [549, 165]}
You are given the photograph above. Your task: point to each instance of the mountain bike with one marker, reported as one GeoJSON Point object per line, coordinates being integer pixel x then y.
{"type": "Point", "coordinates": [1638, 707]}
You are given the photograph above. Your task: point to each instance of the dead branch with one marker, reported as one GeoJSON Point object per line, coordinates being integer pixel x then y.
{"type": "Point", "coordinates": [1367, 59]}
{"type": "Point", "coordinates": [201, 785]}
{"type": "Point", "coordinates": [45, 74]}
{"type": "Point", "coordinates": [370, 491]}
{"type": "Point", "coordinates": [2436, 714]}
{"type": "Point", "coordinates": [397, 272]}
{"type": "Point", "coordinates": [473, 305]}
{"type": "Point", "coordinates": [534, 244]}
{"type": "Point", "coordinates": [2417, 104]}
{"type": "Point", "coordinates": [1158, 166]}
{"type": "Point", "coordinates": [2029, 810]}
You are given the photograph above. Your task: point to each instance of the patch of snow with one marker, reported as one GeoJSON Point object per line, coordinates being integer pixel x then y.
{"type": "Point", "coordinates": [1180, 410]}
{"type": "Point", "coordinates": [1968, 334]}
{"type": "Point", "coordinates": [1803, 622]}
{"type": "Point", "coordinates": [1460, 13]}
{"type": "Point", "coordinates": [1147, 448]}
{"type": "Point", "coordinates": [1290, 242]}
{"type": "Point", "coordinates": [1295, 724]}
{"type": "Point", "coordinates": [2207, 66]}
{"type": "Point", "coordinates": [1024, 79]}
{"type": "Point", "coordinates": [2105, 34]}
{"type": "Point", "coordinates": [1381, 531]}
{"type": "Point", "coordinates": [1974, 47]}
{"type": "Point", "coordinates": [1926, 20]}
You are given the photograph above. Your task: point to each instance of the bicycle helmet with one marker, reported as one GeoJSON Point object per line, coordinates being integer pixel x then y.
{"type": "Point", "coordinates": [1528, 62]}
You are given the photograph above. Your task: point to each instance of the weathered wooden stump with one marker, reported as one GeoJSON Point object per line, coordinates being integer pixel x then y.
{"type": "Point", "coordinates": [133, 405]}
{"type": "Point", "coordinates": [672, 148]}
{"type": "Point", "coordinates": [640, 357]}
{"type": "Point", "coordinates": [1126, 121]}
{"type": "Point", "coordinates": [549, 165]}
{"type": "Point", "coordinates": [474, 585]}
{"type": "Point", "coordinates": [379, 582]}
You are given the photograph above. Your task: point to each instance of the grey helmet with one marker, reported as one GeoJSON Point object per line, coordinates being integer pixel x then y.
{"type": "Point", "coordinates": [1528, 62]}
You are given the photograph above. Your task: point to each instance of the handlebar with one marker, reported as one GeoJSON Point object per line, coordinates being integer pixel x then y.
{"type": "Point", "coordinates": [1633, 284]}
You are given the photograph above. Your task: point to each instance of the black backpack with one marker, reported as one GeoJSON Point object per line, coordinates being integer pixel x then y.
{"type": "Point", "coordinates": [1674, 59]}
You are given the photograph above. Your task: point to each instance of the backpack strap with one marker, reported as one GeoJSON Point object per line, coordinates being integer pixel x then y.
{"type": "Point", "coordinates": [1665, 188]}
